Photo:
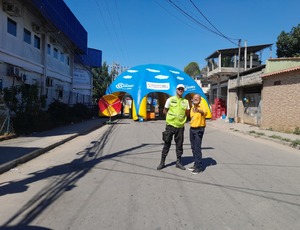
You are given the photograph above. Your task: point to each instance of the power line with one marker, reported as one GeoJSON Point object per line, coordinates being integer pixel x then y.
{"type": "Point", "coordinates": [106, 27]}
{"type": "Point", "coordinates": [121, 29]}
{"type": "Point", "coordinates": [217, 32]}
{"type": "Point", "coordinates": [160, 5]}
{"type": "Point", "coordinates": [229, 39]}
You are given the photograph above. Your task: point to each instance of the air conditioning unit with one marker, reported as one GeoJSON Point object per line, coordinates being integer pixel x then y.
{"type": "Point", "coordinates": [11, 8]}
{"type": "Point", "coordinates": [13, 71]}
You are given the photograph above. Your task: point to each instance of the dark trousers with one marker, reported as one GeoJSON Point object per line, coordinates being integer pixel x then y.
{"type": "Point", "coordinates": [178, 134]}
{"type": "Point", "coordinates": [196, 136]}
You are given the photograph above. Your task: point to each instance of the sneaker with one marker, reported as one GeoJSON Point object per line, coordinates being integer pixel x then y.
{"type": "Point", "coordinates": [191, 168]}
{"type": "Point", "coordinates": [197, 171]}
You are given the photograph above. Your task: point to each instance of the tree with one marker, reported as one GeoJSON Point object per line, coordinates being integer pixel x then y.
{"type": "Point", "coordinates": [192, 69]}
{"type": "Point", "coordinates": [288, 44]}
{"type": "Point", "coordinates": [101, 80]}
{"type": "Point", "coordinates": [24, 99]}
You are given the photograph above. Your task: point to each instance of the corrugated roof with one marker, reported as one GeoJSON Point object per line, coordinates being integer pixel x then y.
{"type": "Point", "coordinates": [282, 71]}
{"type": "Point", "coordinates": [234, 51]}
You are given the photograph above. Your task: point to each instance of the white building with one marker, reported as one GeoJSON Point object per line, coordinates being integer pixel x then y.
{"type": "Point", "coordinates": [42, 42]}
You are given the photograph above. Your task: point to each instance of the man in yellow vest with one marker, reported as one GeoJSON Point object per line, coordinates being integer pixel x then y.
{"type": "Point", "coordinates": [197, 127]}
{"type": "Point", "coordinates": [177, 110]}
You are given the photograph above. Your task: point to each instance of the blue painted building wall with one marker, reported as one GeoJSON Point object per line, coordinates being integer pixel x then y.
{"type": "Point", "coordinates": [59, 14]}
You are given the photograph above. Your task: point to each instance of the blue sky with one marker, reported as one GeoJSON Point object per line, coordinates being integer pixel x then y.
{"type": "Point", "coordinates": [135, 32]}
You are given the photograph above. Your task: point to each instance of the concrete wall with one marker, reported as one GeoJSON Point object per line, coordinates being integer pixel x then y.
{"type": "Point", "coordinates": [280, 103]}
{"type": "Point", "coordinates": [277, 64]}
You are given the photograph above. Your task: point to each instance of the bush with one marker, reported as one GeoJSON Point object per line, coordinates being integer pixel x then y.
{"type": "Point", "coordinates": [25, 123]}
{"type": "Point", "coordinates": [60, 113]}
{"type": "Point", "coordinates": [26, 106]}
{"type": "Point", "coordinates": [80, 112]}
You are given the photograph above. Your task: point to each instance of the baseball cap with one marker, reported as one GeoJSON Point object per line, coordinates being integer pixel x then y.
{"type": "Point", "coordinates": [180, 86]}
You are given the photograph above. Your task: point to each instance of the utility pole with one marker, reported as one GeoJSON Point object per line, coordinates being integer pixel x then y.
{"type": "Point", "coordinates": [238, 84]}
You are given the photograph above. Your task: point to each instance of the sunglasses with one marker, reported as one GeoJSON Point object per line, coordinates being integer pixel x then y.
{"type": "Point", "coordinates": [181, 89]}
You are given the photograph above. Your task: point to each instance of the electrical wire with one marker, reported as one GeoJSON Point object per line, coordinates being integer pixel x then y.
{"type": "Point", "coordinates": [188, 15]}
{"type": "Point", "coordinates": [106, 27]}
{"type": "Point", "coordinates": [229, 39]}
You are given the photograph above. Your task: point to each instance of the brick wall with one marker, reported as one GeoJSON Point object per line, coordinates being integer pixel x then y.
{"type": "Point", "coordinates": [281, 103]}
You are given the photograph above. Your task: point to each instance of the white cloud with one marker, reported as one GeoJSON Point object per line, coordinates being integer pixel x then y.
{"type": "Point", "coordinates": [153, 70]}
{"type": "Point", "coordinates": [162, 77]}
{"type": "Point", "coordinates": [132, 71]}
{"type": "Point", "coordinates": [175, 72]}
{"type": "Point", "coordinates": [127, 77]}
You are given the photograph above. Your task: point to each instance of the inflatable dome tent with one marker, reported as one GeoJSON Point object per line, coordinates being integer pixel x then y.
{"type": "Point", "coordinates": [143, 80]}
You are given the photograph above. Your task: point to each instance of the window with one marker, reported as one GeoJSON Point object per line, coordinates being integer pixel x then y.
{"type": "Point", "coordinates": [11, 27]}
{"type": "Point", "coordinates": [277, 82]}
{"type": "Point", "coordinates": [62, 57]}
{"type": "Point", "coordinates": [49, 49]}
{"type": "Point", "coordinates": [59, 90]}
{"type": "Point", "coordinates": [55, 53]}
{"type": "Point", "coordinates": [68, 60]}
{"type": "Point", "coordinates": [27, 36]}
{"type": "Point", "coordinates": [37, 42]}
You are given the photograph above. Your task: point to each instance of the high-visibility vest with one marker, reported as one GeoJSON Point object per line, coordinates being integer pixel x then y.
{"type": "Point", "coordinates": [176, 115]}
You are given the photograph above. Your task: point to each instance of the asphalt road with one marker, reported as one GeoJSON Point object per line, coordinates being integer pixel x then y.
{"type": "Point", "coordinates": [107, 179]}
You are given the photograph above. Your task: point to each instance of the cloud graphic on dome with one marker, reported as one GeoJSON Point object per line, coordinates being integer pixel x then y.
{"type": "Point", "coordinates": [142, 80]}
{"type": "Point", "coordinates": [175, 72]}
{"type": "Point", "coordinates": [132, 71]}
{"type": "Point", "coordinates": [153, 70]}
{"type": "Point", "coordinates": [162, 77]}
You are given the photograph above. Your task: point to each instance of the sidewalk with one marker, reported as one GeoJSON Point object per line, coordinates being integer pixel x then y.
{"type": "Point", "coordinates": [21, 149]}
{"type": "Point", "coordinates": [18, 150]}
{"type": "Point", "coordinates": [289, 139]}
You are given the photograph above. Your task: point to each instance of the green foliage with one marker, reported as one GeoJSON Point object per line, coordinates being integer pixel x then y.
{"type": "Point", "coordinates": [101, 80]}
{"type": "Point", "coordinates": [192, 69]}
{"type": "Point", "coordinates": [288, 44]}
{"type": "Point", "coordinates": [25, 123]}
{"type": "Point", "coordinates": [226, 61]}
{"type": "Point", "coordinates": [25, 106]}
{"type": "Point", "coordinates": [295, 143]}
{"type": "Point", "coordinates": [24, 99]}
{"type": "Point", "coordinates": [297, 131]}
{"type": "Point", "coordinates": [80, 111]}
{"type": "Point", "coordinates": [60, 113]}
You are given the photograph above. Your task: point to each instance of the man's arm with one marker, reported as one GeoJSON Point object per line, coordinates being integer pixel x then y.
{"type": "Point", "coordinates": [187, 112]}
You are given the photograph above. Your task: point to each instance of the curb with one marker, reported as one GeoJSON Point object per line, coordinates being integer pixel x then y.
{"type": "Point", "coordinates": [287, 143]}
{"type": "Point", "coordinates": [276, 140]}
{"type": "Point", "coordinates": [7, 137]}
{"type": "Point", "coordinates": [9, 165]}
